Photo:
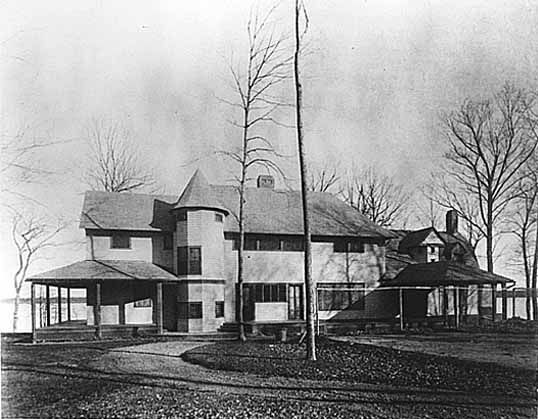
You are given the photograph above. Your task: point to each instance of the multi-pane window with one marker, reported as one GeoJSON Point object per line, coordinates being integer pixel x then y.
{"type": "Point", "coordinates": [268, 293]}
{"type": "Point", "coordinates": [189, 260]}
{"type": "Point", "coordinates": [295, 244]}
{"type": "Point", "coordinates": [182, 216]}
{"type": "Point", "coordinates": [190, 310]}
{"type": "Point", "coordinates": [219, 309]}
{"type": "Point", "coordinates": [271, 243]}
{"type": "Point", "coordinates": [143, 303]}
{"type": "Point", "coordinates": [219, 218]}
{"type": "Point", "coordinates": [340, 296]}
{"type": "Point", "coordinates": [120, 241]}
{"type": "Point", "coordinates": [349, 246]}
{"type": "Point", "coordinates": [167, 242]}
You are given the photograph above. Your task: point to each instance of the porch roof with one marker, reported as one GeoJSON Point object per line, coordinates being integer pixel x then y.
{"type": "Point", "coordinates": [90, 270]}
{"type": "Point", "coordinates": [445, 273]}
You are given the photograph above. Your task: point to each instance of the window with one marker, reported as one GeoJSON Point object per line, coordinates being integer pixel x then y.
{"type": "Point", "coordinates": [143, 303]}
{"type": "Point", "coordinates": [190, 310]}
{"type": "Point", "coordinates": [272, 243]}
{"type": "Point", "coordinates": [341, 296]}
{"type": "Point", "coordinates": [182, 216]}
{"type": "Point", "coordinates": [219, 218]}
{"type": "Point", "coordinates": [189, 260]}
{"type": "Point", "coordinates": [219, 309]}
{"type": "Point", "coordinates": [432, 249]}
{"type": "Point", "coordinates": [167, 242]}
{"type": "Point", "coordinates": [293, 244]}
{"type": "Point", "coordinates": [269, 243]}
{"type": "Point", "coordinates": [251, 243]}
{"type": "Point", "coordinates": [120, 241]}
{"type": "Point", "coordinates": [343, 246]}
{"type": "Point", "coordinates": [268, 293]}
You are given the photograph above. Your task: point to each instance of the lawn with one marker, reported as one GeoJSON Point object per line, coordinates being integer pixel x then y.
{"type": "Point", "coordinates": [150, 379]}
{"type": "Point", "coordinates": [353, 362]}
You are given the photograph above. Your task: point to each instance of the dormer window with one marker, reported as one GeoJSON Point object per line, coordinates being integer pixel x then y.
{"type": "Point", "coordinates": [120, 241]}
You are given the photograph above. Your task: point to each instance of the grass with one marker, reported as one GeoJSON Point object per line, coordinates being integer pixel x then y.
{"type": "Point", "coordinates": [50, 381]}
{"type": "Point", "coordinates": [355, 363]}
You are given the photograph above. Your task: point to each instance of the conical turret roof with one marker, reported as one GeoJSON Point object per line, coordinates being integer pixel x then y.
{"type": "Point", "coordinates": [199, 194]}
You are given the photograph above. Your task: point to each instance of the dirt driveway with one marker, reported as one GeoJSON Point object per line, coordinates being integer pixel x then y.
{"type": "Point", "coordinates": [508, 350]}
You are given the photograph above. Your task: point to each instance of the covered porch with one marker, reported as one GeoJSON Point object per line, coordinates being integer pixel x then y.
{"type": "Point", "coordinates": [123, 298]}
{"type": "Point", "coordinates": [448, 292]}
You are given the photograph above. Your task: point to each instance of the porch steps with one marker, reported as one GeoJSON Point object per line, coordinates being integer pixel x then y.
{"type": "Point", "coordinates": [229, 327]}
{"type": "Point", "coordinates": [201, 336]}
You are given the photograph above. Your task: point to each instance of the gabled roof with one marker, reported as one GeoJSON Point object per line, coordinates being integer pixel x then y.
{"type": "Point", "coordinates": [417, 237]}
{"type": "Point", "coordinates": [280, 212]}
{"type": "Point", "coordinates": [267, 211]}
{"type": "Point", "coordinates": [87, 270]}
{"type": "Point", "coordinates": [198, 194]}
{"type": "Point", "coordinates": [444, 273]}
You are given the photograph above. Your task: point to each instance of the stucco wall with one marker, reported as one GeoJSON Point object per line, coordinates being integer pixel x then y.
{"type": "Point", "coordinates": [201, 229]}
{"type": "Point", "coordinates": [327, 266]}
{"type": "Point", "coordinates": [146, 247]}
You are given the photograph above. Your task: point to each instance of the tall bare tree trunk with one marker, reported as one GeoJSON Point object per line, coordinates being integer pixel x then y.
{"type": "Point", "coordinates": [535, 278]}
{"type": "Point", "coordinates": [16, 304]}
{"type": "Point", "coordinates": [309, 285]}
{"type": "Point", "coordinates": [240, 290]}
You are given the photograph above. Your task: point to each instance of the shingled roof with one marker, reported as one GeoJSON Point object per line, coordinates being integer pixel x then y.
{"type": "Point", "coordinates": [415, 238]}
{"type": "Point", "coordinates": [267, 211]}
{"type": "Point", "coordinates": [198, 194]}
{"type": "Point", "coordinates": [87, 270]}
{"type": "Point", "coordinates": [444, 273]}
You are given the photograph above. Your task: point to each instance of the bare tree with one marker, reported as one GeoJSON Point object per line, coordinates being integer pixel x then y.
{"type": "Point", "coordinates": [31, 235]}
{"type": "Point", "coordinates": [310, 288]}
{"type": "Point", "coordinates": [377, 196]}
{"type": "Point", "coordinates": [523, 223]}
{"type": "Point", "coordinates": [489, 143]}
{"type": "Point", "coordinates": [324, 178]}
{"type": "Point", "coordinates": [20, 161]}
{"type": "Point", "coordinates": [114, 162]}
{"type": "Point", "coordinates": [267, 67]}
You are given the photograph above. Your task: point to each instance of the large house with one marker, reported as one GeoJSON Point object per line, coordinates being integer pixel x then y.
{"type": "Point", "coordinates": [168, 264]}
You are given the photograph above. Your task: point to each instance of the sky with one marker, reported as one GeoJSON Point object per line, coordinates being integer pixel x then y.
{"type": "Point", "coordinates": [377, 78]}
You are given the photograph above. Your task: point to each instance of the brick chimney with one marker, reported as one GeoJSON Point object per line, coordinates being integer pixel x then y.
{"type": "Point", "coordinates": [452, 221]}
{"type": "Point", "coordinates": [266, 181]}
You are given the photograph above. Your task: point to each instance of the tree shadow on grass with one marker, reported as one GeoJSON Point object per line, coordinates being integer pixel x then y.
{"type": "Point", "coordinates": [348, 394]}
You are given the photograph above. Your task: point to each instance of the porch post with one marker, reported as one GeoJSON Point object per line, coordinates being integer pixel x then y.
{"type": "Point", "coordinates": [402, 323]}
{"type": "Point", "coordinates": [97, 310]}
{"type": "Point", "coordinates": [68, 304]}
{"type": "Point", "coordinates": [47, 304]}
{"type": "Point", "coordinates": [445, 305]}
{"type": "Point", "coordinates": [59, 304]}
{"type": "Point", "coordinates": [159, 308]}
{"type": "Point", "coordinates": [493, 301]}
{"type": "Point", "coordinates": [32, 302]}
{"type": "Point", "coordinates": [514, 302]}
{"type": "Point", "coordinates": [456, 307]}
{"type": "Point", "coordinates": [504, 302]}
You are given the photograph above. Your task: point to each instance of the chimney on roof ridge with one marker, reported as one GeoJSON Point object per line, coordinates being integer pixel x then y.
{"type": "Point", "coordinates": [266, 181]}
{"type": "Point", "coordinates": [452, 221]}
